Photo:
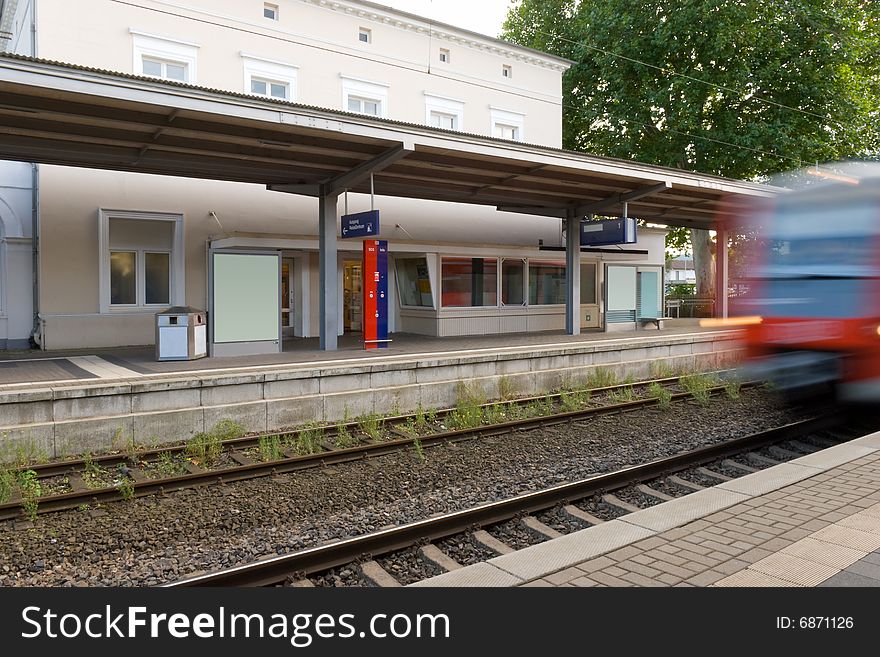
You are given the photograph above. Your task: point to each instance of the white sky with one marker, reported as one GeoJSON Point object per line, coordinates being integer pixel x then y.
{"type": "Point", "coordinates": [483, 16]}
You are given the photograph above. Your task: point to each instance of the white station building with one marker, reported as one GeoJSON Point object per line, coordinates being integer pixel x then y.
{"type": "Point", "coordinates": [200, 153]}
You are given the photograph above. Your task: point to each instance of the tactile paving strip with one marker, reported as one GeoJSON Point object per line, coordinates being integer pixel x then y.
{"type": "Point", "coordinates": [829, 554]}
{"type": "Point", "coordinates": [794, 569]}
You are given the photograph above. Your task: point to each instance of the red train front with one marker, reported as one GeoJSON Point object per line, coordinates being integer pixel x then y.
{"type": "Point", "coordinates": [814, 301]}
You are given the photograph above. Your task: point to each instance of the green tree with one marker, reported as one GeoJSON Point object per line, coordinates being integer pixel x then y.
{"type": "Point", "coordinates": [738, 88]}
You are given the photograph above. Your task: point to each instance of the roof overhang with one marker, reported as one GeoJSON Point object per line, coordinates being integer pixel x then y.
{"type": "Point", "coordinates": [63, 114]}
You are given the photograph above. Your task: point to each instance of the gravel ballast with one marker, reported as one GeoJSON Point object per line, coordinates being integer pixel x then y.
{"type": "Point", "coordinates": [157, 539]}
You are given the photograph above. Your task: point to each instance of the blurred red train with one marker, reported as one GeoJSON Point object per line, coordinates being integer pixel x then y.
{"type": "Point", "coordinates": [812, 314]}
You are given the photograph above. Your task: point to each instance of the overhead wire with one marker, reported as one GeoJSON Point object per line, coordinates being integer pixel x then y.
{"type": "Point", "coordinates": [434, 72]}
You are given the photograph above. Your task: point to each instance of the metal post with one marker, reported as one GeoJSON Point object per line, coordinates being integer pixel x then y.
{"type": "Point", "coordinates": [328, 291]}
{"type": "Point", "coordinates": [721, 273]}
{"type": "Point", "coordinates": [573, 274]}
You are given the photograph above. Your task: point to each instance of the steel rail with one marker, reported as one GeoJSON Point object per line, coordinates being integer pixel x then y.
{"type": "Point", "coordinates": [140, 487]}
{"type": "Point", "coordinates": [65, 467]}
{"type": "Point", "coordinates": [277, 570]}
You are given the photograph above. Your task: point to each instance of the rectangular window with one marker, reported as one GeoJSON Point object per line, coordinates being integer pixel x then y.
{"type": "Point", "coordinates": [503, 131]}
{"type": "Point", "coordinates": [507, 71]}
{"type": "Point", "coordinates": [270, 11]}
{"type": "Point", "coordinates": [365, 35]}
{"type": "Point", "coordinates": [270, 88]}
{"type": "Point", "coordinates": [443, 120]}
{"type": "Point", "coordinates": [414, 282]}
{"type": "Point", "coordinates": [123, 278]}
{"type": "Point", "coordinates": [588, 283]}
{"type": "Point", "coordinates": [168, 59]}
{"type": "Point", "coordinates": [139, 261]}
{"type": "Point", "coordinates": [364, 106]}
{"type": "Point", "coordinates": [513, 274]}
{"type": "Point", "coordinates": [469, 282]}
{"type": "Point", "coordinates": [445, 55]}
{"type": "Point", "coordinates": [546, 283]}
{"type": "Point", "coordinates": [157, 278]}
{"type": "Point", "coordinates": [166, 70]}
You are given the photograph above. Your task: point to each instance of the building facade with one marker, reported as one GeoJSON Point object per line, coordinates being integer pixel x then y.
{"type": "Point", "coordinates": [88, 257]}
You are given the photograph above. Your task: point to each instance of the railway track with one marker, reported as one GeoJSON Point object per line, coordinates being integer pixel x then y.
{"type": "Point", "coordinates": [719, 462]}
{"type": "Point", "coordinates": [129, 476]}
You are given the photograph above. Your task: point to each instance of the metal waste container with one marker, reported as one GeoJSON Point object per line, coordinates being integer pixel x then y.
{"type": "Point", "coordinates": [181, 334]}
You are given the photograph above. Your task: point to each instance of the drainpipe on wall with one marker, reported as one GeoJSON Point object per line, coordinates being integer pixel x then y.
{"type": "Point", "coordinates": [37, 335]}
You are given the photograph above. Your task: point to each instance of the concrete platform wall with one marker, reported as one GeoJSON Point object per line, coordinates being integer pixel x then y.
{"type": "Point", "coordinates": [74, 419]}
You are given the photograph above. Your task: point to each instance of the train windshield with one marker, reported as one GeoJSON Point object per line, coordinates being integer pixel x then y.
{"type": "Point", "coordinates": [823, 241]}
{"type": "Point", "coordinates": [819, 260]}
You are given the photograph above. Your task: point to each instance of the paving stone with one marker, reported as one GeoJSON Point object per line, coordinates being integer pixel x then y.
{"type": "Point", "coordinates": [479, 574]}
{"type": "Point", "coordinates": [705, 578]}
{"type": "Point", "coordinates": [624, 553]}
{"type": "Point", "coordinates": [682, 510]}
{"type": "Point", "coordinates": [865, 523]}
{"type": "Point", "coordinates": [866, 569]}
{"type": "Point", "coordinates": [569, 550]}
{"type": "Point", "coordinates": [731, 566]}
{"type": "Point", "coordinates": [769, 479]}
{"type": "Point", "coordinates": [650, 543]}
{"type": "Point", "coordinates": [873, 557]}
{"type": "Point", "coordinates": [754, 578]}
{"type": "Point", "coordinates": [609, 580]}
{"type": "Point", "coordinates": [564, 576]}
{"type": "Point", "coordinates": [641, 580]}
{"type": "Point", "coordinates": [847, 537]}
{"type": "Point", "coordinates": [584, 582]}
{"type": "Point", "coordinates": [849, 580]}
{"type": "Point", "coordinates": [595, 564]}
{"type": "Point", "coordinates": [641, 569]}
{"type": "Point", "coordinates": [794, 569]}
{"type": "Point", "coordinates": [753, 555]}
{"type": "Point", "coordinates": [830, 554]}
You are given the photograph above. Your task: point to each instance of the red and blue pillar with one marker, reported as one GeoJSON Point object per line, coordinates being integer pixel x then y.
{"type": "Point", "coordinates": [375, 294]}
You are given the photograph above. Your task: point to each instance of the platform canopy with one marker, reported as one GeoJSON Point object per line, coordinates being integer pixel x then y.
{"type": "Point", "coordinates": [57, 113]}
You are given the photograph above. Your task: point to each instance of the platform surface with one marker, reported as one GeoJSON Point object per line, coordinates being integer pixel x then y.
{"type": "Point", "coordinates": [813, 521]}
{"type": "Point", "coordinates": [47, 367]}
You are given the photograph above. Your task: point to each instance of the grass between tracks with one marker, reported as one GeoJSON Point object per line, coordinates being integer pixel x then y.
{"type": "Point", "coordinates": [474, 407]}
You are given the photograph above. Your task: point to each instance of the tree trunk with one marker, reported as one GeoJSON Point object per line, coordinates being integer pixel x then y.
{"type": "Point", "coordinates": [704, 262]}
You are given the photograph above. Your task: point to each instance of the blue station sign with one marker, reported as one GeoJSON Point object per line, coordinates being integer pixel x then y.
{"type": "Point", "coordinates": [608, 231]}
{"type": "Point", "coordinates": [360, 224]}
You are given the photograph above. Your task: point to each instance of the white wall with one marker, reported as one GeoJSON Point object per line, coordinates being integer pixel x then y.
{"type": "Point", "coordinates": [322, 40]}
{"type": "Point", "coordinates": [16, 254]}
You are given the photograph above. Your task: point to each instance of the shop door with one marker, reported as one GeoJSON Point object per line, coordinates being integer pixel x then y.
{"type": "Point", "coordinates": [287, 297]}
{"type": "Point", "coordinates": [353, 299]}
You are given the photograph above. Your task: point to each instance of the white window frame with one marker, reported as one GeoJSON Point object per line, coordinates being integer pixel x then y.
{"type": "Point", "coordinates": [444, 105]}
{"type": "Point", "coordinates": [368, 32]}
{"type": "Point", "coordinates": [509, 118]}
{"type": "Point", "coordinates": [164, 49]}
{"type": "Point", "coordinates": [270, 70]}
{"type": "Point", "coordinates": [273, 8]}
{"type": "Point", "coordinates": [177, 261]}
{"type": "Point", "coordinates": [365, 89]}
{"type": "Point", "coordinates": [507, 71]}
{"type": "Point", "coordinates": [445, 56]}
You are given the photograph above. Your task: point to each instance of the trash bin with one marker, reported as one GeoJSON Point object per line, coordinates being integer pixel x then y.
{"type": "Point", "coordinates": [181, 334]}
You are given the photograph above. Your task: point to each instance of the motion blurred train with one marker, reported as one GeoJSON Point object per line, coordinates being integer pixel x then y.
{"type": "Point", "coordinates": [812, 312]}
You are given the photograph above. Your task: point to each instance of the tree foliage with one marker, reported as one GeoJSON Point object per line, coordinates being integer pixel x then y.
{"type": "Point", "coordinates": [738, 88]}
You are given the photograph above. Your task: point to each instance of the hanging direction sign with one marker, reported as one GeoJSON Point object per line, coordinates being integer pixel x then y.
{"type": "Point", "coordinates": [360, 224]}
